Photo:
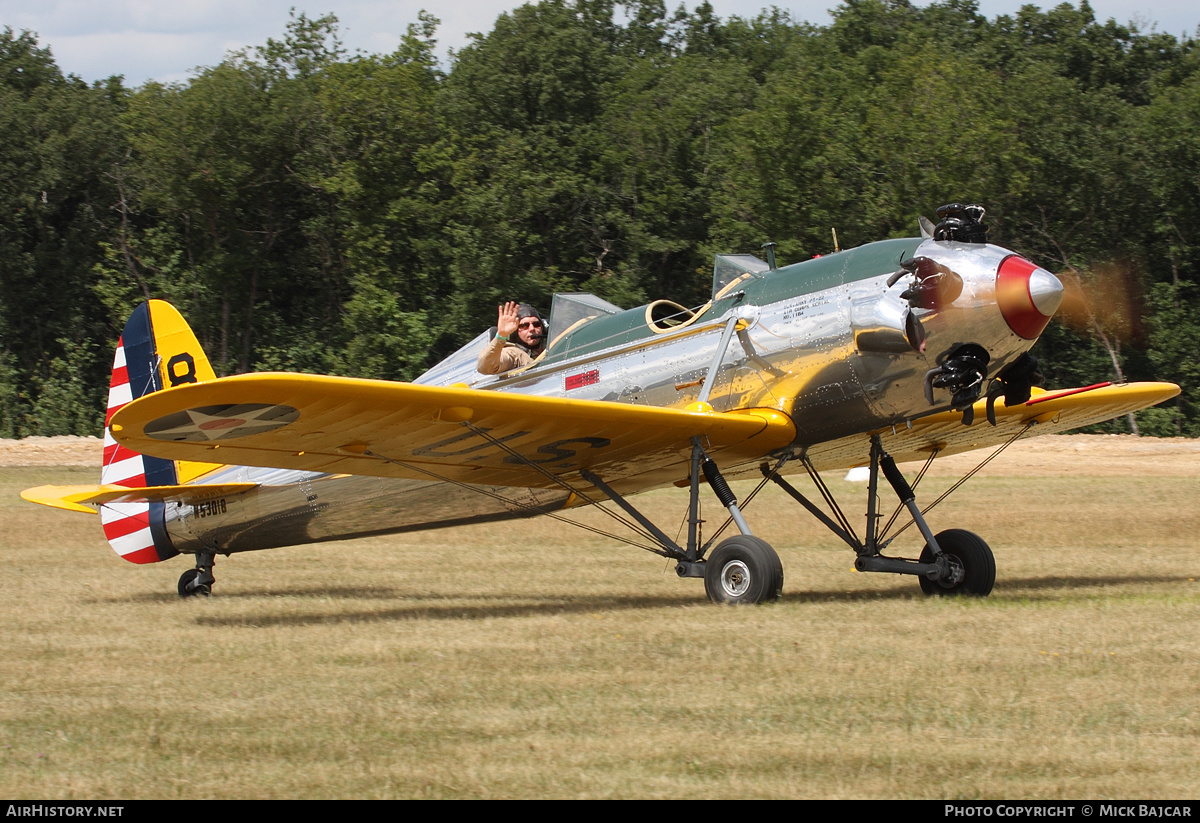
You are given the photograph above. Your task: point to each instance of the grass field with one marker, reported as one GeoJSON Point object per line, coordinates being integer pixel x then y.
{"type": "Point", "coordinates": [549, 662]}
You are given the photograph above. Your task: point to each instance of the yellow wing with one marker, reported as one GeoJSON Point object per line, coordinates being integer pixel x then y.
{"type": "Point", "coordinates": [1050, 412]}
{"type": "Point", "coordinates": [373, 427]}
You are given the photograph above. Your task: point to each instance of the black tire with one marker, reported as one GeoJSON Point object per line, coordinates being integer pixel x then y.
{"type": "Point", "coordinates": [966, 551]}
{"type": "Point", "coordinates": [185, 580]}
{"type": "Point", "coordinates": [743, 570]}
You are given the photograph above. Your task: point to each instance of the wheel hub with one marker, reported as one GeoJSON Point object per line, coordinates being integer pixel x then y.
{"type": "Point", "coordinates": [735, 578]}
{"type": "Point", "coordinates": [955, 572]}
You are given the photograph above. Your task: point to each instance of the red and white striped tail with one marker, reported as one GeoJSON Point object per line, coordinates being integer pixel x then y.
{"type": "Point", "coordinates": [126, 525]}
{"type": "Point", "coordinates": [122, 467]}
{"type": "Point", "coordinates": [156, 347]}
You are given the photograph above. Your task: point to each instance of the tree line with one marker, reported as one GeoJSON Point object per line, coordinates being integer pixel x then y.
{"type": "Point", "coordinates": [314, 210]}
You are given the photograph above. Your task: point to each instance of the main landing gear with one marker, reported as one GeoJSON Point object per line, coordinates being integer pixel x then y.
{"type": "Point", "coordinates": [742, 570]}
{"type": "Point", "coordinates": [953, 562]}
{"type": "Point", "coordinates": [200, 579]}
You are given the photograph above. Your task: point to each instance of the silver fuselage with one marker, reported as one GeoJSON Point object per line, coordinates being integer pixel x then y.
{"type": "Point", "coordinates": [822, 341]}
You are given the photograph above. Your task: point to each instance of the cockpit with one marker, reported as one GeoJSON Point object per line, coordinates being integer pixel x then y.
{"type": "Point", "coordinates": [570, 312]}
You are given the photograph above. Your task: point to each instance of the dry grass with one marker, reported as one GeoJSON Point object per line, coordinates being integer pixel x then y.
{"type": "Point", "coordinates": [557, 664]}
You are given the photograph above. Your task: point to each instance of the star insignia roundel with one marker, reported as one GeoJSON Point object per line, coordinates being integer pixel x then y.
{"type": "Point", "coordinates": [221, 422]}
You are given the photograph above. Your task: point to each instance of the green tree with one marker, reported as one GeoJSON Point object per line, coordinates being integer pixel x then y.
{"type": "Point", "coordinates": [217, 164]}
{"type": "Point", "coordinates": [61, 137]}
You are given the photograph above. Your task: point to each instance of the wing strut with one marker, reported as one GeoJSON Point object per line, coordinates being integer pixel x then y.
{"type": "Point", "coordinates": [868, 551]}
{"type": "Point", "coordinates": [960, 481]}
{"type": "Point", "coordinates": [842, 527]}
{"type": "Point", "coordinates": [691, 558]}
{"type": "Point", "coordinates": [671, 548]}
{"type": "Point", "coordinates": [767, 474]}
{"type": "Point", "coordinates": [711, 378]}
{"type": "Point", "coordinates": [952, 562]}
{"type": "Point", "coordinates": [533, 510]}
{"type": "Point", "coordinates": [651, 532]}
{"type": "Point", "coordinates": [746, 571]}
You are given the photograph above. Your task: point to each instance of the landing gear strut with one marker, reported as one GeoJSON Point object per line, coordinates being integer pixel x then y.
{"type": "Point", "coordinates": [200, 579]}
{"type": "Point", "coordinates": [953, 562]}
{"type": "Point", "coordinates": [742, 570]}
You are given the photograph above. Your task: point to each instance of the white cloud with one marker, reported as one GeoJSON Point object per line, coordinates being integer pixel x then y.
{"type": "Point", "coordinates": [149, 39]}
{"type": "Point", "coordinates": [1175, 17]}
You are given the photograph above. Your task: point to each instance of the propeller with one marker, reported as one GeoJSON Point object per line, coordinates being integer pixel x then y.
{"type": "Point", "coordinates": [1105, 302]}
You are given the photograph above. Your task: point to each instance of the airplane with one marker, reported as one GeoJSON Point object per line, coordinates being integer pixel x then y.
{"type": "Point", "coordinates": [894, 351]}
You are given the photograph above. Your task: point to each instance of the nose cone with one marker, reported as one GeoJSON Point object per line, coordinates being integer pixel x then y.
{"type": "Point", "coordinates": [1046, 290]}
{"type": "Point", "coordinates": [1027, 296]}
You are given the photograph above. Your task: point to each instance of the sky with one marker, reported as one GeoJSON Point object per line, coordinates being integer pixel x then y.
{"type": "Point", "coordinates": [151, 40]}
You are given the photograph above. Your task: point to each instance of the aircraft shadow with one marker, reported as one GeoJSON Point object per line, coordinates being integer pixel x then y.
{"type": "Point", "coordinates": [1029, 588]}
{"type": "Point", "coordinates": [440, 608]}
{"type": "Point", "coordinates": [346, 592]}
{"type": "Point", "coordinates": [843, 596]}
{"type": "Point", "coordinates": [1012, 585]}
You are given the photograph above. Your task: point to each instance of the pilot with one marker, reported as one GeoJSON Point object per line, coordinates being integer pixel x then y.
{"type": "Point", "coordinates": [507, 350]}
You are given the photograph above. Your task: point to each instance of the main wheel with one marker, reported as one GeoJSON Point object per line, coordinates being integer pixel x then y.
{"type": "Point", "coordinates": [186, 588]}
{"type": "Point", "coordinates": [743, 570]}
{"type": "Point", "coordinates": [972, 565]}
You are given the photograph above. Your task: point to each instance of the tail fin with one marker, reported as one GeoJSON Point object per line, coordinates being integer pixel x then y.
{"type": "Point", "coordinates": [156, 350]}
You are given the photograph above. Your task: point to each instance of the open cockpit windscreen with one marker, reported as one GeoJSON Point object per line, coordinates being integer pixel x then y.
{"type": "Point", "coordinates": [734, 268]}
{"type": "Point", "coordinates": [571, 310]}
{"type": "Point", "coordinates": [458, 367]}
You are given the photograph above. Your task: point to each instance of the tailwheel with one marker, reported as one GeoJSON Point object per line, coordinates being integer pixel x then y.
{"type": "Point", "coordinates": [743, 570]}
{"type": "Point", "coordinates": [188, 586]}
{"type": "Point", "coordinates": [200, 579]}
{"type": "Point", "coordinates": [971, 566]}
